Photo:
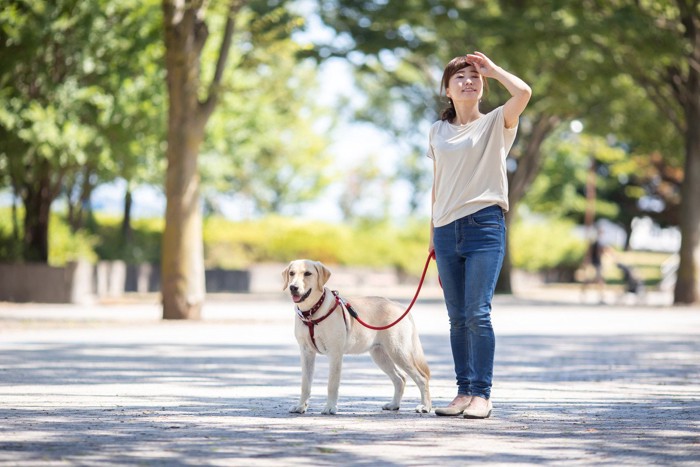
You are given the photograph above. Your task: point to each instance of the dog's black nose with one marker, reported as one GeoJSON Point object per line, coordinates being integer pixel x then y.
{"type": "Point", "coordinates": [294, 288]}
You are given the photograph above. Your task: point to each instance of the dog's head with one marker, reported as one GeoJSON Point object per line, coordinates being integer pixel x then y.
{"type": "Point", "coordinates": [305, 280]}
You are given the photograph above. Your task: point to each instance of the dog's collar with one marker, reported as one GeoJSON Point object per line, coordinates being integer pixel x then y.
{"type": "Point", "coordinates": [308, 313]}
{"type": "Point", "coordinates": [305, 317]}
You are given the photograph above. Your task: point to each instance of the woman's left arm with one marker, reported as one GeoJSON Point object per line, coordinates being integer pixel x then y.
{"type": "Point", "coordinates": [519, 90]}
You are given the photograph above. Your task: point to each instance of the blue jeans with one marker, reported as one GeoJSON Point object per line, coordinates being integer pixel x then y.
{"type": "Point", "coordinates": [469, 254]}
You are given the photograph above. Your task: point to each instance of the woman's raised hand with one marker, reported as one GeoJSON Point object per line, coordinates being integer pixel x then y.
{"type": "Point", "coordinates": [482, 63]}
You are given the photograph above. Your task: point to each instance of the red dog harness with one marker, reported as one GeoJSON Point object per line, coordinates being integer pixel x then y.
{"type": "Point", "coordinates": [305, 316]}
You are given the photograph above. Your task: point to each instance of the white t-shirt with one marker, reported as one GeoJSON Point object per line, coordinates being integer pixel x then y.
{"type": "Point", "coordinates": [470, 166]}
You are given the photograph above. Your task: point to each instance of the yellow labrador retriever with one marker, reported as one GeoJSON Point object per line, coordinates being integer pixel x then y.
{"type": "Point", "coordinates": [323, 326]}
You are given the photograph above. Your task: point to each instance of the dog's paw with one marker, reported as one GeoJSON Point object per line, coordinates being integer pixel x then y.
{"type": "Point", "coordinates": [390, 406]}
{"type": "Point", "coordinates": [298, 409]}
{"type": "Point", "coordinates": [330, 410]}
{"type": "Point", "coordinates": [420, 408]}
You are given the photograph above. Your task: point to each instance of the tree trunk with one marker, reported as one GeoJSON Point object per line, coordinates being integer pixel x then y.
{"type": "Point", "coordinates": [688, 94]}
{"type": "Point", "coordinates": [529, 165]}
{"type": "Point", "coordinates": [77, 208]}
{"type": "Point", "coordinates": [37, 208]}
{"type": "Point", "coordinates": [530, 162]}
{"type": "Point", "coordinates": [182, 272]}
{"type": "Point", "coordinates": [126, 219]}
{"type": "Point", "coordinates": [504, 284]}
{"type": "Point", "coordinates": [15, 216]}
{"type": "Point", "coordinates": [687, 283]}
{"type": "Point", "coordinates": [182, 259]}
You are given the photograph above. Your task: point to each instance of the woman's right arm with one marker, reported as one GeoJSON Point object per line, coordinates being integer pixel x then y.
{"type": "Point", "coordinates": [519, 91]}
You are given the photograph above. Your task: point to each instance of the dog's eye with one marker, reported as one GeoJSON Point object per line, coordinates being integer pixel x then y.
{"type": "Point", "coordinates": [307, 273]}
{"type": "Point", "coordinates": [291, 274]}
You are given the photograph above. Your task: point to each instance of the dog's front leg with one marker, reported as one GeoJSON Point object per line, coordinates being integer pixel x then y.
{"type": "Point", "coordinates": [335, 366]}
{"type": "Point", "coordinates": [308, 362]}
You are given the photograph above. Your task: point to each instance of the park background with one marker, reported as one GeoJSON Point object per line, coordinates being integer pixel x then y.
{"type": "Point", "coordinates": [282, 129]}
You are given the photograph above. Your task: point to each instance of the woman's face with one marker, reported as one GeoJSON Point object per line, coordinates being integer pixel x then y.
{"type": "Point", "coordinates": [465, 85]}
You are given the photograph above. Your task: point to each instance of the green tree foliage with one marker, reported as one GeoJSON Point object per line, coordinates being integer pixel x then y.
{"type": "Point", "coordinates": [547, 244]}
{"type": "Point", "coordinates": [63, 115]}
{"type": "Point", "coordinates": [628, 184]}
{"type": "Point", "coordinates": [560, 191]}
{"type": "Point", "coordinates": [265, 144]}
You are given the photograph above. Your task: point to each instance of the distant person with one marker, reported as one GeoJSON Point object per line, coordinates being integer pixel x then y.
{"type": "Point", "coordinates": [594, 259]}
{"type": "Point", "coordinates": [469, 201]}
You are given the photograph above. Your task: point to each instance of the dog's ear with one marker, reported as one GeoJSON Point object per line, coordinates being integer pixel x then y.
{"type": "Point", "coordinates": [323, 274]}
{"type": "Point", "coordinates": [285, 277]}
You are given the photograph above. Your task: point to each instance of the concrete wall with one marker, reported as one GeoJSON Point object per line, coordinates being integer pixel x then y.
{"type": "Point", "coordinates": [110, 278]}
{"type": "Point", "coordinates": [84, 282]}
{"type": "Point", "coordinates": [227, 280]}
{"type": "Point", "coordinates": [37, 282]}
{"type": "Point", "coordinates": [142, 278]}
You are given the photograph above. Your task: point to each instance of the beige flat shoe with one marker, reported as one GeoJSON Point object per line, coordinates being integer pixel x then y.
{"type": "Point", "coordinates": [478, 412]}
{"type": "Point", "coordinates": [453, 410]}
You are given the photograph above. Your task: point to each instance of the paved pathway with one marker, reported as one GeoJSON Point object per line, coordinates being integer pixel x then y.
{"type": "Point", "coordinates": [114, 385]}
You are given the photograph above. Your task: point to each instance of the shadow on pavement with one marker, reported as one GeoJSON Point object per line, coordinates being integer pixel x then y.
{"type": "Point", "coordinates": [605, 399]}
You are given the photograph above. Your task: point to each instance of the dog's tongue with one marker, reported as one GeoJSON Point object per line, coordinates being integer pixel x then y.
{"type": "Point", "coordinates": [296, 298]}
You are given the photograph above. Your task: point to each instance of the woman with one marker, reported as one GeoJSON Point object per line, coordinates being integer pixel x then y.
{"type": "Point", "coordinates": [467, 234]}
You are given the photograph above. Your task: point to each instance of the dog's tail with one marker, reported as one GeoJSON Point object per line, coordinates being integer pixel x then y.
{"type": "Point", "coordinates": [419, 357]}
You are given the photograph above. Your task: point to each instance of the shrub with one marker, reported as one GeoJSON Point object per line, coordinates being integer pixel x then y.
{"type": "Point", "coordinates": [143, 246]}
{"type": "Point", "coordinates": [10, 249]}
{"type": "Point", "coordinates": [535, 246]}
{"type": "Point", "coordinates": [64, 245]}
{"type": "Point", "coordinates": [546, 245]}
{"type": "Point", "coordinates": [275, 239]}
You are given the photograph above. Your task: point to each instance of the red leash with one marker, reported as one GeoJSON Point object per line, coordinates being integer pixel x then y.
{"type": "Point", "coordinates": [353, 313]}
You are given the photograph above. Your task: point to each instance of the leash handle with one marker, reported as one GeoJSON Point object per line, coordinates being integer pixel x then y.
{"type": "Point", "coordinates": [415, 297]}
